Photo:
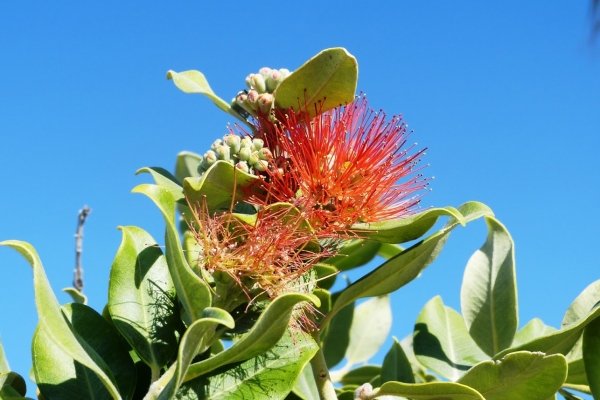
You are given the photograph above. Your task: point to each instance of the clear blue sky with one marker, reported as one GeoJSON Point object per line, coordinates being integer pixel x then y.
{"type": "Point", "coordinates": [506, 96]}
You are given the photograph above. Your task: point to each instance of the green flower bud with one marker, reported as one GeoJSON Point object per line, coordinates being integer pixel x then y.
{"type": "Point", "coordinates": [243, 166]}
{"type": "Point", "coordinates": [257, 144]}
{"type": "Point", "coordinates": [265, 154]}
{"type": "Point", "coordinates": [245, 153]}
{"type": "Point", "coordinates": [261, 165]}
{"type": "Point", "coordinates": [242, 101]}
{"type": "Point", "coordinates": [233, 141]}
{"type": "Point", "coordinates": [257, 82]}
{"type": "Point", "coordinates": [246, 142]}
{"type": "Point", "coordinates": [273, 80]}
{"type": "Point", "coordinates": [209, 159]}
{"type": "Point", "coordinates": [216, 144]}
{"type": "Point", "coordinates": [223, 152]}
{"type": "Point", "coordinates": [284, 72]}
{"type": "Point", "coordinates": [265, 102]}
{"type": "Point", "coordinates": [265, 71]}
{"type": "Point", "coordinates": [253, 159]}
{"type": "Point", "coordinates": [251, 100]}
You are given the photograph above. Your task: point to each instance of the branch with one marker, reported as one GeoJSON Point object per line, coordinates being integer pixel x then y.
{"type": "Point", "coordinates": [78, 271]}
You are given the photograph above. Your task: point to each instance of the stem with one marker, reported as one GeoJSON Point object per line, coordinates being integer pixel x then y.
{"type": "Point", "coordinates": [322, 378]}
{"type": "Point", "coordinates": [78, 271]}
{"type": "Point", "coordinates": [155, 374]}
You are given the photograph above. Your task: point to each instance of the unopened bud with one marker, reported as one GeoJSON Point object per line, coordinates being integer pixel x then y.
{"type": "Point", "coordinates": [246, 142]}
{"type": "Point", "coordinates": [223, 152]}
{"type": "Point", "coordinates": [265, 154]}
{"type": "Point", "coordinates": [261, 165]}
{"type": "Point", "coordinates": [253, 159]}
{"type": "Point", "coordinates": [273, 80]}
{"type": "Point", "coordinates": [257, 144]}
{"type": "Point", "coordinates": [242, 101]}
{"type": "Point", "coordinates": [245, 153]}
{"type": "Point", "coordinates": [265, 71]}
{"type": "Point", "coordinates": [284, 72]}
{"type": "Point", "coordinates": [243, 166]}
{"type": "Point", "coordinates": [363, 392]}
{"type": "Point", "coordinates": [265, 102]}
{"type": "Point", "coordinates": [233, 141]}
{"type": "Point", "coordinates": [256, 82]}
{"type": "Point", "coordinates": [252, 99]}
{"type": "Point", "coordinates": [209, 159]}
{"type": "Point", "coordinates": [216, 144]}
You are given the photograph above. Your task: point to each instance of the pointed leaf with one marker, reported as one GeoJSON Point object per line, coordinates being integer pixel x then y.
{"type": "Point", "coordinates": [354, 254]}
{"type": "Point", "coordinates": [429, 391]}
{"type": "Point", "coordinates": [337, 336]}
{"type": "Point", "coordinates": [369, 330]}
{"type": "Point", "coordinates": [405, 229]}
{"type": "Point", "coordinates": [326, 275]}
{"type": "Point", "coordinates": [389, 250]}
{"type": "Point", "coordinates": [76, 295]}
{"type": "Point", "coordinates": [193, 293]}
{"type": "Point", "coordinates": [396, 366]}
{"type": "Point", "coordinates": [583, 304]}
{"type": "Point", "coordinates": [518, 376]}
{"type": "Point", "coordinates": [267, 376]}
{"type": "Point", "coordinates": [326, 81]}
{"type": "Point", "coordinates": [4, 367]}
{"type": "Point", "coordinates": [591, 356]}
{"type": "Point", "coordinates": [141, 298]}
{"type": "Point", "coordinates": [195, 82]}
{"type": "Point", "coordinates": [194, 341]}
{"type": "Point", "coordinates": [187, 165]}
{"type": "Point", "coordinates": [488, 295]}
{"type": "Point", "coordinates": [471, 210]}
{"type": "Point", "coordinates": [51, 318]}
{"type": "Point", "coordinates": [533, 330]}
{"type": "Point", "coordinates": [305, 386]}
{"type": "Point", "coordinates": [267, 330]}
{"type": "Point", "coordinates": [442, 343]}
{"type": "Point", "coordinates": [165, 179]}
{"type": "Point", "coordinates": [361, 375]}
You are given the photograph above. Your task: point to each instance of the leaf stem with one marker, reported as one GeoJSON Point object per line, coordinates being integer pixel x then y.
{"type": "Point", "coordinates": [322, 378]}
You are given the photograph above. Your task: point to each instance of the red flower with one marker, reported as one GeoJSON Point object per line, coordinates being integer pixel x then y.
{"type": "Point", "coordinates": [347, 165]}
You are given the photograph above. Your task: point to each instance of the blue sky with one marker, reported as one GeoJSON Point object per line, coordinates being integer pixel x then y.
{"type": "Point", "coordinates": [506, 96]}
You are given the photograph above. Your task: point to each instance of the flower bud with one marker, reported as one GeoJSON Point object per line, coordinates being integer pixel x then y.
{"type": "Point", "coordinates": [243, 166]}
{"type": "Point", "coordinates": [242, 101]}
{"type": "Point", "coordinates": [261, 165]}
{"type": "Point", "coordinates": [257, 82]}
{"type": "Point", "coordinates": [273, 80]}
{"type": "Point", "coordinates": [265, 154]}
{"type": "Point", "coordinates": [265, 71]}
{"type": "Point", "coordinates": [251, 100]}
{"type": "Point", "coordinates": [253, 159]}
{"type": "Point", "coordinates": [223, 152]}
{"type": "Point", "coordinates": [246, 142]}
{"type": "Point", "coordinates": [257, 144]}
{"type": "Point", "coordinates": [233, 141]}
{"type": "Point", "coordinates": [284, 72]}
{"type": "Point", "coordinates": [245, 153]}
{"type": "Point", "coordinates": [265, 102]}
{"type": "Point", "coordinates": [209, 159]}
{"type": "Point", "coordinates": [216, 144]}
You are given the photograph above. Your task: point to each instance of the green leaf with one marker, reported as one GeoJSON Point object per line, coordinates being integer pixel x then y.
{"type": "Point", "coordinates": [471, 210]}
{"type": "Point", "coordinates": [4, 367]}
{"type": "Point", "coordinates": [267, 376]}
{"type": "Point", "coordinates": [488, 295]}
{"type": "Point", "coordinates": [326, 275]}
{"type": "Point", "coordinates": [187, 165]}
{"type": "Point", "coordinates": [12, 385]}
{"type": "Point", "coordinates": [591, 356]}
{"type": "Point", "coordinates": [369, 330]}
{"type": "Point", "coordinates": [361, 375]}
{"type": "Point", "coordinates": [405, 229]}
{"type": "Point", "coordinates": [59, 375]}
{"type": "Point", "coordinates": [582, 305]}
{"type": "Point", "coordinates": [396, 366]}
{"type": "Point", "coordinates": [388, 250]}
{"type": "Point", "coordinates": [193, 293]}
{"type": "Point", "coordinates": [53, 322]}
{"type": "Point", "coordinates": [305, 387]}
{"type": "Point", "coordinates": [217, 184]}
{"type": "Point", "coordinates": [337, 336]}
{"type": "Point", "coordinates": [518, 376]}
{"type": "Point", "coordinates": [194, 341]}
{"type": "Point", "coordinates": [326, 81]}
{"type": "Point", "coordinates": [533, 330]}
{"type": "Point", "coordinates": [442, 343]}
{"type": "Point", "coordinates": [560, 341]}
{"type": "Point", "coordinates": [267, 330]}
{"type": "Point", "coordinates": [141, 298]}
{"type": "Point", "coordinates": [195, 82]}
{"type": "Point", "coordinates": [429, 391]}
{"type": "Point", "coordinates": [354, 254]}
{"type": "Point", "coordinates": [76, 295]}
{"type": "Point", "coordinates": [165, 179]}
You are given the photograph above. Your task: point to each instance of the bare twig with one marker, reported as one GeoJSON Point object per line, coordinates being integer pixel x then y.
{"type": "Point", "coordinates": [78, 271]}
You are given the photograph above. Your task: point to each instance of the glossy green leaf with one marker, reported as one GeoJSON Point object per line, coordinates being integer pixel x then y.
{"type": "Point", "coordinates": [187, 165]}
{"type": "Point", "coordinates": [326, 275]}
{"type": "Point", "coordinates": [488, 295]}
{"type": "Point", "coordinates": [429, 391]}
{"type": "Point", "coordinates": [471, 210]}
{"type": "Point", "coordinates": [326, 81]}
{"type": "Point", "coordinates": [53, 322]}
{"type": "Point", "coordinates": [141, 298]}
{"type": "Point", "coordinates": [354, 254]}
{"type": "Point", "coordinates": [267, 330]}
{"type": "Point", "coordinates": [217, 184]}
{"type": "Point", "coordinates": [59, 375]}
{"type": "Point", "coordinates": [560, 341]}
{"type": "Point", "coordinates": [193, 293]}
{"type": "Point", "coordinates": [4, 367]}
{"type": "Point", "coordinates": [305, 387]}
{"type": "Point", "coordinates": [533, 330]}
{"type": "Point", "coordinates": [396, 366]}
{"type": "Point", "coordinates": [583, 304]}
{"type": "Point", "coordinates": [591, 356]}
{"type": "Point", "coordinates": [194, 82]}
{"type": "Point", "coordinates": [442, 343]}
{"type": "Point", "coordinates": [337, 336]}
{"type": "Point", "coordinates": [370, 328]}
{"type": "Point", "coordinates": [361, 375]}
{"type": "Point", "coordinates": [405, 229]}
{"type": "Point", "coordinates": [518, 376]}
{"type": "Point", "coordinates": [76, 295]}
{"type": "Point", "coordinates": [267, 376]}
{"type": "Point", "coordinates": [12, 385]}
{"type": "Point", "coordinates": [194, 341]}
{"type": "Point", "coordinates": [165, 179]}
{"type": "Point", "coordinates": [389, 250]}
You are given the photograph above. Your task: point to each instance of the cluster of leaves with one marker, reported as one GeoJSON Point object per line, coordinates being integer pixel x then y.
{"type": "Point", "coordinates": [162, 333]}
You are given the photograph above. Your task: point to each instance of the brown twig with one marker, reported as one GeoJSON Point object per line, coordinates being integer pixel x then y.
{"type": "Point", "coordinates": [78, 271]}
